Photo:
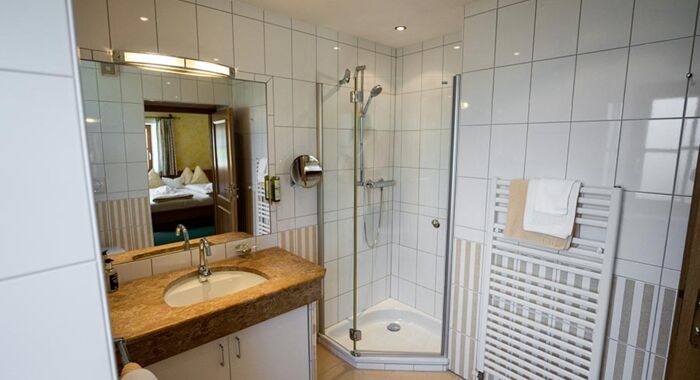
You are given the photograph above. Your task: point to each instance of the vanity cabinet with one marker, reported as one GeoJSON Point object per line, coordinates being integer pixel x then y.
{"type": "Point", "coordinates": [208, 361]}
{"type": "Point", "coordinates": [277, 348]}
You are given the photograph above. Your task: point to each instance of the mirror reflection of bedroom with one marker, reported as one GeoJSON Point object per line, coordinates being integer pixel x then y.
{"type": "Point", "coordinates": [180, 173]}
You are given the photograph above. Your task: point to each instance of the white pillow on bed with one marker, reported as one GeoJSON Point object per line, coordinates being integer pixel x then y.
{"type": "Point", "coordinates": [154, 180]}
{"type": "Point", "coordinates": [175, 183]}
{"type": "Point", "coordinates": [199, 176]}
{"type": "Point", "coordinates": [186, 175]}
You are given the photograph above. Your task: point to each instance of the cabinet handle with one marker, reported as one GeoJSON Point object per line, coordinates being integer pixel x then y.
{"type": "Point", "coordinates": [238, 347]}
{"type": "Point", "coordinates": [221, 350]}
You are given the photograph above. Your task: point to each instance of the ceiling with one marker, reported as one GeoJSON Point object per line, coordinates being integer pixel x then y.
{"type": "Point", "coordinates": [375, 19]}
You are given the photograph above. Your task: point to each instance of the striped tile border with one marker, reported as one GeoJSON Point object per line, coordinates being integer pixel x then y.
{"type": "Point", "coordinates": [302, 242]}
{"type": "Point", "coordinates": [125, 223]}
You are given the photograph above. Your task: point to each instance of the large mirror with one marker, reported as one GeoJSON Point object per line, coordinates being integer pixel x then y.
{"type": "Point", "coordinates": [170, 149]}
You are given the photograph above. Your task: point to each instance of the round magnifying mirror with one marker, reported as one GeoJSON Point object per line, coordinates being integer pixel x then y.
{"type": "Point", "coordinates": [306, 171]}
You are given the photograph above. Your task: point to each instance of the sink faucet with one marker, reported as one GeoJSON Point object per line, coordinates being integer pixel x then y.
{"type": "Point", "coordinates": [181, 229]}
{"type": "Point", "coordinates": [204, 251]}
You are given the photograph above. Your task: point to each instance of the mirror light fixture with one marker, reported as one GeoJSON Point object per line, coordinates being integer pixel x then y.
{"type": "Point", "coordinates": [170, 64]}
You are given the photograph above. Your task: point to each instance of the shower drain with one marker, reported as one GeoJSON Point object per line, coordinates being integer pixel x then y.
{"type": "Point", "coordinates": [393, 327]}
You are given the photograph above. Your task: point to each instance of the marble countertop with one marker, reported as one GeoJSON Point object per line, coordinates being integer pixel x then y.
{"type": "Point", "coordinates": [154, 330]}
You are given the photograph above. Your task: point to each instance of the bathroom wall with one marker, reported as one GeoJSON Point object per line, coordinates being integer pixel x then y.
{"type": "Point", "coordinates": [263, 45]}
{"type": "Point", "coordinates": [54, 316]}
{"type": "Point", "coordinates": [593, 90]}
{"type": "Point", "coordinates": [421, 167]}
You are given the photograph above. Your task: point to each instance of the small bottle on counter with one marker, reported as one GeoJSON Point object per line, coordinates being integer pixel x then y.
{"type": "Point", "coordinates": [111, 277]}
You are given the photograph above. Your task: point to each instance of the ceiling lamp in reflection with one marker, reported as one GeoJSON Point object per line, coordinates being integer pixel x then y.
{"type": "Point", "coordinates": [170, 64]}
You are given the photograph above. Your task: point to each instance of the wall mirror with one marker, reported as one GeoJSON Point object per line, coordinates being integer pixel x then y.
{"type": "Point", "coordinates": [168, 149]}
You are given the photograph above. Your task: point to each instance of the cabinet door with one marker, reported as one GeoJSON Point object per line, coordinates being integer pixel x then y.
{"type": "Point", "coordinates": [209, 361]}
{"type": "Point", "coordinates": [275, 349]}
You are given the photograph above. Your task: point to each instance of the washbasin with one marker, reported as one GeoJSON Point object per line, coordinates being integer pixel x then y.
{"type": "Point", "coordinates": [191, 290]}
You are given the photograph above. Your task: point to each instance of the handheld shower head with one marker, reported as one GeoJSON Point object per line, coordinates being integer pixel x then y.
{"type": "Point", "coordinates": [346, 77]}
{"type": "Point", "coordinates": [376, 90]}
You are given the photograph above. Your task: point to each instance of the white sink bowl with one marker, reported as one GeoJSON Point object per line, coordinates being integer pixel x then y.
{"type": "Point", "coordinates": [190, 290]}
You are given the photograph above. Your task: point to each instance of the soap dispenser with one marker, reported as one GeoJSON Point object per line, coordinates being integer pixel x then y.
{"type": "Point", "coordinates": [111, 277]}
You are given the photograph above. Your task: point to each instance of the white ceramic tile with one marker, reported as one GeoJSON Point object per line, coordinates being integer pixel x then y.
{"type": "Point", "coordinates": [109, 88]}
{"type": "Point", "coordinates": [432, 69]}
{"type": "Point", "coordinates": [605, 24]}
{"type": "Point", "coordinates": [177, 28]}
{"type": "Point", "coordinates": [425, 300]}
{"type": "Point", "coordinates": [429, 149]}
{"type": "Point", "coordinates": [215, 32]}
{"type": "Point", "coordinates": [284, 152]}
{"type": "Point", "coordinates": [304, 95]}
{"type": "Point", "coordinates": [479, 6]}
{"type": "Point", "coordinates": [171, 88]}
{"type": "Point", "coordinates": [556, 30]}
{"type": "Point", "coordinates": [471, 200]}
{"type": "Point", "coordinates": [137, 176]}
{"type": "Point", "coordinates": [677, 229]}
{"type": "Point", "coordinates": [410, 111]}
{"type": "Point", "coordinates": [409, 185]}
{"type": "Point", "coordinates": [152, 88]}
{"type": "Point", "coordinates": [476, 97]}
{"type": "Point", "coordinates": [410, 157]}
{"type": "Point", "coordinates": [127, 30]}
{"type": "Point", "coordinates": [479, 41]}
{"type": "Point", "coordinates": [600, 85]}
{"type": "Point", "coordinates": [304, 141]}
{"type": "Point", "coordinates": [248, 44]}
{"type": "Point", "coordinates": [111, 117]}
{"type": "Point", "coordinates": [670, 278]}
{"type": "Point", "coordinates": [427, 187]}
{"type": "Point", "coordinates": [663, 20]}
{"type": "Point", "coordinates": [507, 153]}
{"type": "Point", "coordinates": [116, 177]}
{"type": "Point", "coordinates": [285, 208]}
{"type": "Point", "coordinates": [304, 56]}
{"type": "Point", "coordinates": [407, 264]}
{"type": "Point", "coordinates": [514, 33]}
{"type": "Point", "coordinates": [407, 295]}
{"type": "Point", "coordinates": [643, 227]}
{"type": "Point", "coordinates": [94, 145]}
{"type": "Point", "coordinates": [430, 117]}
{"type": "Point", "coordinates": [656, 80]}
{"type": "Point", "coordinates": [552, 89]}
{"type": "Point", "coordinates": [133, 270]}
{"type": "Point", "coordinates": [345, 271]}
{"type": "Point", "coordinates": [412, 68]}
{"type": "Point", "coordinates": [452, 61]}
{"type": "Point", "coordinates": [473, 151]}
{"type": "Point", "coordinates": [636, 271]}
{"type": "Point", "coordinates": [428, 236]}
{"type": "Point", "coordinates": [688, 157]}
{"type": "Point", "coordinates": [132, 116]}
{"type": "Point", "coordinates": [647, 157]}
{"type": "Point", "coordinates": [91, 109]}
{"type": "Point", "coordinates": [131, 88]}
{"type": "Point", "coordinates": [67, 303]}
{"type": "Point", "coordinates": [593, 152]}
{"type": "Point", "coordinates": [113, 148]}
{"type": "Point", "coordinates": [511, 92]}
{"type": "Point", "coordinates": [205, 91]}
{"type": "Point", "coordinates": [278, 51]}
{"type": "Point", "coordinates": [330, 282]}
{"type": "Point", "coordinates": [283, 102]}
{"type": "Point", "coordinates": [547, 148]}
{"type": "Point", "coordinates": [88, 83]}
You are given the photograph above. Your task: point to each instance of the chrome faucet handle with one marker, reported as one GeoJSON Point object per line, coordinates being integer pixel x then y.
{"type": "Point", "coordinates": [204, 251]}
{"type": "Point", "coordinates": [205, 245]}
{"type": "Point", "coordinates": [180, 229]}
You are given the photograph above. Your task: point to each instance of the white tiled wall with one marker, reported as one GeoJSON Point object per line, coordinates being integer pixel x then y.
{"type": "Point", "coordinates": [592, 90]}
{"type": "Point", "coordinates": [54, 319]}
{"type": "Point", "coordinates": [421, 167]}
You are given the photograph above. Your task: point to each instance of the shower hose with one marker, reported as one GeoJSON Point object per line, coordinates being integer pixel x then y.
{"type": "Point", "coordinates": [375, 238]}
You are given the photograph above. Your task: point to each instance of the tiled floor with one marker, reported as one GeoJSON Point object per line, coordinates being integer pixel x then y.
{"type": "Point", "coordinates": [331, 367]}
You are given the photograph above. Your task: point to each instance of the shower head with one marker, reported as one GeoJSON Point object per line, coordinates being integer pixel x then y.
{"type": "Point", "coordinates": [376, 90]}
{"type": "Point", "coordinates": [346, 77]}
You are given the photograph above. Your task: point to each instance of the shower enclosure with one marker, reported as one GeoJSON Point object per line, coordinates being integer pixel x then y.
{"type": "Point", "coordinates": [384, 246]}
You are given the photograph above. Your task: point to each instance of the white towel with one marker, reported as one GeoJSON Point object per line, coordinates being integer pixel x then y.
{"type": "Point", "coordinates": [550, 207]}
{"type": "Point", "coordinates": [201, 188]}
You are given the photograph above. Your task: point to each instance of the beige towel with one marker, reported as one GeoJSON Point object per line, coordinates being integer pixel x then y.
{"type": "Point", "coordinates": [514, 225]}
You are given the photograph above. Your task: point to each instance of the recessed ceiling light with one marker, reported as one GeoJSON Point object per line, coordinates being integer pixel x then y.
{"type": "Point", "coordinates": [336, 48]}
{"type": "Point", "coordinates": [400, 28]}
{"type": "Point", "coordinates": [456, 47]}
{"type": "Point", "coordinates": [516, 53]}
{"type": "Point", "coordinates": [142, 18]}
{"type": "Point", "coordinates": [216, 59]}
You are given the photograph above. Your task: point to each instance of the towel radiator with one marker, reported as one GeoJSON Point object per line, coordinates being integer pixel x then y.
{"type": "Point", "coordinates": [545, 311]}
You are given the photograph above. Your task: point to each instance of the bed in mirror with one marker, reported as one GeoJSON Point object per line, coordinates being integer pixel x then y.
{"type": "Point", "coordinates": [170, 149]}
